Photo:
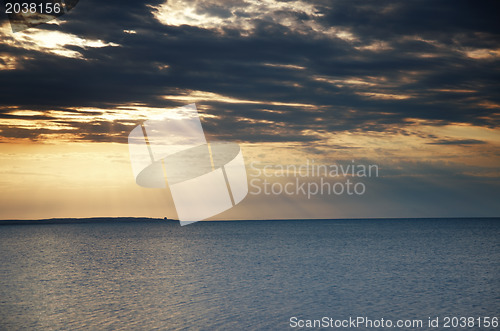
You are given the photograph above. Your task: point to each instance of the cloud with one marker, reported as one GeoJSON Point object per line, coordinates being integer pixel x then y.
{"type": "Point", "coordinates": [54, 42]}
{"type": "Point", "coordinates": [258, 70]}
{"type": "Point", "coordinates": [461, 142]}
{"type": "Point", "coordinates": [242, 16]}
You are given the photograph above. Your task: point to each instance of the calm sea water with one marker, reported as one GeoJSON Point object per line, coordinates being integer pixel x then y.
{"type": "Point", "coordinates": [245, 275]}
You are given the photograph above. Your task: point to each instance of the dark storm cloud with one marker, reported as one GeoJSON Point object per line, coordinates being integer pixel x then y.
{"type": "Point", "coordinates": [389, 19]}
{"type": "Point", "coordinates": [98, 131]}
{"type": "Point", "coordinates": [461, 142]}
{"type": "Point", "coordinates": [420, 69]}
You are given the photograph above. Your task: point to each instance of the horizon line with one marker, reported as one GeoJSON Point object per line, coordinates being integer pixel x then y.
{"type": "Point", "coordinates": [62, 220]}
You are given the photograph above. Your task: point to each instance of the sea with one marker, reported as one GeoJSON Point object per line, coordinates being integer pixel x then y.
{"type": "Point", "coordinates": [125, 274]}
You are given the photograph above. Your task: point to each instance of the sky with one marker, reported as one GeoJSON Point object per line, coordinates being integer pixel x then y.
{"type": "Point", "coordinates": [411, 87]}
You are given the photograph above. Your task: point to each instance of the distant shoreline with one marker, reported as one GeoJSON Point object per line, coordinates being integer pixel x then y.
{"type": "Point", "coordinates": [169, 221]}
{"type": "Point", "coordinates": [86, 220]}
